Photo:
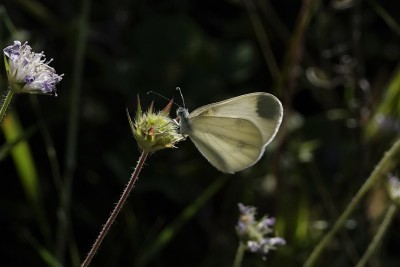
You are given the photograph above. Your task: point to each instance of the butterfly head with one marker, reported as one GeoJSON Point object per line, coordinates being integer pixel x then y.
{"type": "Point", "coordinates": [182, 112]}
{"type": "Point", "coordinates": [184, 124]}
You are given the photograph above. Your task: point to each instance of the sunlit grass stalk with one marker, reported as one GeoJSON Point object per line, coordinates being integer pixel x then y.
{"type": "Point", "coordinates": [116, 210]}
{"type": "Point", "coordinates": [385, 165]}
{"type": "Point", "coordinates": [389, 216]}
{"type": "Point", "coordinates": [21, 154]}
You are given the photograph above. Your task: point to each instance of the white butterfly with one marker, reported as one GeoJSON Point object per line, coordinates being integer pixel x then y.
{"type": "Point", "coordinates": [232, 134]}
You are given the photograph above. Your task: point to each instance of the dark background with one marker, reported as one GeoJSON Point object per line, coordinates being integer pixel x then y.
{"type": "Point", "coordinates": [333, 64]}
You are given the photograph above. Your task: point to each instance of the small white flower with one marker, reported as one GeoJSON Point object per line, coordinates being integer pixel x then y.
{"type": "Point", "coordinates": [28, 72]}
{"type": "Point", "coordinates": [393, 187]}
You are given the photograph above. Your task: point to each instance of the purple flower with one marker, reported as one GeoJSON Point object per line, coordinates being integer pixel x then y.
{"type": "Point", "coordinates": [28, 72]}
{"type": "Point", "coordinates": [256, 235]}
{"type": "Point", "coordinates": [277, 241]}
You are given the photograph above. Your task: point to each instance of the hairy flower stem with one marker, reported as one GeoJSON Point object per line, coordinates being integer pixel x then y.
{"type": "Point", "coordinates": [116, 210]}
{"type": "Point", "coordinates": [7, 100]}
{"type": "Point", "coordinates": [385, 165]}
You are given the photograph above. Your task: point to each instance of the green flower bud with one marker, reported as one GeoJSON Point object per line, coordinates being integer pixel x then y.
{"type": "Point", "coordinates": [154, 131]}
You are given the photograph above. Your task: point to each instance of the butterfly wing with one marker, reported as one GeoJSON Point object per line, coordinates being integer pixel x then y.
{"type": "Point", "coordinates": [262, 109]}
{"type": "Point", "coordinates": [229, 144]}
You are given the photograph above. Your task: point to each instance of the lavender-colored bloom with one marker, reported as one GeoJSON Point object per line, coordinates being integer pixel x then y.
{"type": "Point", "coordinates": [28, 72]}
{"type": "Point", "coordinates": [270, 221]}
{"type": "Point", "coordinates": [241, 227]}
{"type": "Point", "coordinates": [256, 235]}
{"type": "Point", "coordinates": [266, 224]}
{"type": "Point", "coordinates": [247, 210]}
{"type": "Point", "coordinates": [253, 246]}
{"type": "Point", "coordinates": [276, 241]}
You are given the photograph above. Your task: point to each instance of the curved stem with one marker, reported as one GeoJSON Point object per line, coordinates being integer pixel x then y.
{"type": "Point", "coordinates": [379, 235]}
{"type": "Point", "coordinates": [385, 165]}
{"type": "Point", "coordinates": [116, 210]}
{"type": "Point", "coordinates": [239, 255]}
{"type": "Point", "coordinates": [8, 97]}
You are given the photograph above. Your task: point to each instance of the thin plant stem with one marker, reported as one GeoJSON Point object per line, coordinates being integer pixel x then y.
{"type": "Point", "coordinates": [7, 21]}
{"type": "Point", "coordinates": [329, 204]}
{"type": "Point", "coordinates": [48, 143]}
{"type": "Point", "coordinates": [389, 20]}
{"type": "Point", "coordinates": [63, 224]}
{"type": "Point", "coordinates": [263, 39]}
{"type": "Point", "coordinates": [274, 20]}
{"type": "Point", "coordinates": [116, 210]}
{"type": "Point", "coordinates": [288, 79]}
{"type": "Point", "coordinates": [239, 255]}
{"type": "Point", "coordinates": [389, 216]}
{"type": "Point", "coordinates": [7, 100]}
{"type": "Point", "coordinates": [385, 165]}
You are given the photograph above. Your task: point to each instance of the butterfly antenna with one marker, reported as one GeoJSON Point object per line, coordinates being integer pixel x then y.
{"type": "Point", "coordinates": [180, 92]}
{"type": "Point", "coordinates": [152, 92]}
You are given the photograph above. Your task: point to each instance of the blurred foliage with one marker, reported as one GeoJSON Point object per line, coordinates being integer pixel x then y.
{"type": "Point", "coordinates": [332, 63]}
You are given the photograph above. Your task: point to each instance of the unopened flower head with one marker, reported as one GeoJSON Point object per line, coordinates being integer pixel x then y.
{"type": "Point", "coordinates": [257, 235]}
{"type": "Point", "coordinates": [28, 72]}
{"type": "Point", "coordinates": [154, 131]}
